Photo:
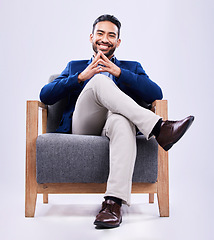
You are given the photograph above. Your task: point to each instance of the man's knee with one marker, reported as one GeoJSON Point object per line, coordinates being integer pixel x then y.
{"type": "Point", "coordinates": [117, 122]}
{"type": "Point", "coordinates": [99, 79]}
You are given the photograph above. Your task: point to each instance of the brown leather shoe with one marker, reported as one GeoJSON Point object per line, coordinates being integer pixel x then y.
{"type": "Point", "coordinates": [109, 216]}
{"type": "Point", "coordinates": [172, 131]}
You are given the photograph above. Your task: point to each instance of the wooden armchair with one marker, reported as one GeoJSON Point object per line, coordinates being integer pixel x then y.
{"type": "Point", "coordinates": [32, 187]}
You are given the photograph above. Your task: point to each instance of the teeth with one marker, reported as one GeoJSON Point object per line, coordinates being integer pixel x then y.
{"type": "Point", "coordinates": [104, 45]}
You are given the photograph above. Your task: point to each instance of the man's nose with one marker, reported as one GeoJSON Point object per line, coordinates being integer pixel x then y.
{"type": "Point", "coordinates": [105, 38]}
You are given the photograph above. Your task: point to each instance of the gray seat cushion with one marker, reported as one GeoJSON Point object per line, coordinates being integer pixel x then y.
{"type": "Point", "coordinates": [63, 158]}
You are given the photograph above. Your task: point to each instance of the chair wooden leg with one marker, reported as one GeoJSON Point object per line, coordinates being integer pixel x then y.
{"type": "Point", "coordinates": [163, 202]}
{"type": "Point", "coordinates": [45, 198]}
{"type": "Point", "coordinates": [30, 203]}
{"type": "Point", "coordinates": [30, 177]}
{"type": "Point", "coordinates": [163, 174]}
{"type": "Point", "coordinates": [151, 197]}
{"type": "Point", "coordinates": [30, 184]}
{"type": "Point", "coordinates": [163, 183]}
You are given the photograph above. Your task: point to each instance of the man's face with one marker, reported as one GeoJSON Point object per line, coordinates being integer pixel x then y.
{"type": "Point", "coordinates": [105, 38]}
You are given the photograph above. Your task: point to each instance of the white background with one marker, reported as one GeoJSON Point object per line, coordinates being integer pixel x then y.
{"type": "Point", "coordinates": [173, 40]}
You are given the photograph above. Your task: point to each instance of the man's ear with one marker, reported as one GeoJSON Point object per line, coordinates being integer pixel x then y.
{"type": "Point", "coordinates": [91, 37]}
{"type": "Point", "coordinates": [118, 42]}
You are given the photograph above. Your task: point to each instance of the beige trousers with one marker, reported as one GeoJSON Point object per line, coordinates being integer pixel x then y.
{"type": "Point", "coordinates": [103, 109]}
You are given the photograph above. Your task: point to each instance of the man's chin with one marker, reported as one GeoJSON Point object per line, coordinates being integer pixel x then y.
{"type": "Point", "coordinates": [104, 52]}
{"type": "Point", "coordinates": [107, 52]}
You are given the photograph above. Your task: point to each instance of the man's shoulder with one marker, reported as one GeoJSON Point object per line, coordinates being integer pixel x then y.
{"type": "Point", "coordinates": [74, 62]}
{"type": "Point", "coordinates": [127, 63]}
{"type": "Point", "coordinates": [78, 65]}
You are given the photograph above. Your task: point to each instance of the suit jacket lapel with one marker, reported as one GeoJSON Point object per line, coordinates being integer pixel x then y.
{"type": "Point", "coordinates": [117, 62]}
{"type": "Point", "coordinates": [89, 61]}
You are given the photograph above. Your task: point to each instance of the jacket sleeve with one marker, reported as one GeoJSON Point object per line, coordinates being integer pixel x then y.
{"type": "Point", "coordinates": [60, 87]}
{"type": "Point", "coordinates": [139, 83]}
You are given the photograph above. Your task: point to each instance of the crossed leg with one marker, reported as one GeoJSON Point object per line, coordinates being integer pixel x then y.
{"type": "Point", "coordinates": [102, 108]}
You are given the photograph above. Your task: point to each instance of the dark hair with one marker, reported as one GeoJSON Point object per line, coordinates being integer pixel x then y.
{"type": "Point", "coordinates": [110, 18]}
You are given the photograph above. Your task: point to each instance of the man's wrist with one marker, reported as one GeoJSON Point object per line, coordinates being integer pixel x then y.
{"type": "Point", "coordinates": [80, 80]}
{"type": "Point", "coordinates": [118, 73]}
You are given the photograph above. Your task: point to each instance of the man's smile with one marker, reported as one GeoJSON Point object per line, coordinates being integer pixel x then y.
{"type": "Point", "coordinates": [104, 46]}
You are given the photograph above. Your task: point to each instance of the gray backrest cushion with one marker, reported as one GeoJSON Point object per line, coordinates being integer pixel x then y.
{"type": "Point", "coordinates": [55, 111]}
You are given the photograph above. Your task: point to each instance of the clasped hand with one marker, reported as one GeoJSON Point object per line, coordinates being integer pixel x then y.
{"type": "Point", "coordinates": [99, 64]}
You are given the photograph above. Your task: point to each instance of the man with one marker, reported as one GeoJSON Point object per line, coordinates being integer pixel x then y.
{"type": "Point", "coordinates": [104, 98]}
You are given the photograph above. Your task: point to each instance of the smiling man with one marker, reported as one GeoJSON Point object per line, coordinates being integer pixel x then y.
{"type": "Point", "coordinates": [105, 97]}
{"type": "Point", "coordinates": [104, 41]}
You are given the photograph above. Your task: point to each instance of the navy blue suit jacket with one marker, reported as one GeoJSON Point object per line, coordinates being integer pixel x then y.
{"type": "Point", "coordinates": [133, 81]}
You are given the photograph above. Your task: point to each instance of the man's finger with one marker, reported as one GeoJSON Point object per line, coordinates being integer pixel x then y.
{"type": "Point", "coordinates": [95, 58]}
{"type": "Point", "coordinates": [98, 69]}
{"type": "Point", "coordinates": [103, 56]}
{"type": "Point", "coordinates": [101, 61]}
{"type": "Point", "coordinates": [94, 62]}
{"type": "Point", "coordinates": [95, 70]}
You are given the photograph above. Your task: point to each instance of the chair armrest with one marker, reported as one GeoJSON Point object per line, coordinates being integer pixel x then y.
{"type": "Point", "coordinates": [160, 107]}
{"type": "Point", "coordinates": [32, 117]}
{"type": "Point", "coordinates": [42, 105]}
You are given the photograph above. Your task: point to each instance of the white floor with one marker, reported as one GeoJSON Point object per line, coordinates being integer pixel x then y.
{"type": "Point", "coordinates": [72, 216]}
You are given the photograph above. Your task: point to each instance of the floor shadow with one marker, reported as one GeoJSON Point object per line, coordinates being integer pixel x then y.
{"type": "Point", "coordinates": [88, 210]}
{"type": "Point", "coordinates": [69, 210]}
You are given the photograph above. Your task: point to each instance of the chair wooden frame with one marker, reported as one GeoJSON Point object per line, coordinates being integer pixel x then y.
{"type": "Point", "coordinates": [32, 188]}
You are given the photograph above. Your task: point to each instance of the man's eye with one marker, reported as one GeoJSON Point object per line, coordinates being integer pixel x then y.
{"type": "Point", "coordinates": [112, 36]}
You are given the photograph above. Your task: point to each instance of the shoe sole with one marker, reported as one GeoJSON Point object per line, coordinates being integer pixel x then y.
{"type": "Point", "coordinates": [102, 225]}
{"type": "Point", "coordinates": [167, 147]}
